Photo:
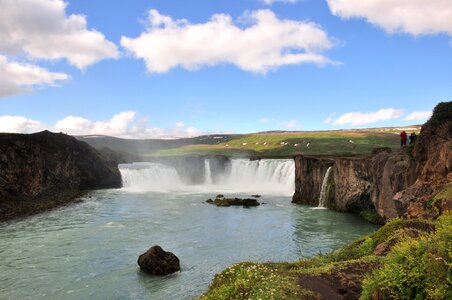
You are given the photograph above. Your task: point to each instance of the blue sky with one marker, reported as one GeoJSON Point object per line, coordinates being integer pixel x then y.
{"type": "Point", "coordinates": [302, 63]}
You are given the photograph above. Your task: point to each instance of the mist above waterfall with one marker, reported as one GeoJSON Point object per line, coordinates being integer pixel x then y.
{"type": "Point", "coordinates": [266, 176]}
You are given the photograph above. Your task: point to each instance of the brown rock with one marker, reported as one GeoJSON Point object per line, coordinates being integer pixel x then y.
{"type": "Point", "coordinates": [158, 262]}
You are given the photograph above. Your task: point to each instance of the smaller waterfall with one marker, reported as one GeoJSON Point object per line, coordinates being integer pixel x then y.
{"type": "Point", "coordinates": [325, 189]}
{"type": "Point", "coordinates": [208, 174]}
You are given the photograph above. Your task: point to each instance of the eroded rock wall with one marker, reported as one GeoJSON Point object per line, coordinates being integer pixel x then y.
{"type": "Point", "coordinates": [399, 183]}
{"type": "Point", "coordinates": [45, 165]}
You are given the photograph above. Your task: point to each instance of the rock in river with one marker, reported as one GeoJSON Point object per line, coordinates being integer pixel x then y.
{"type": "Point", "coordinates": [158, 262]}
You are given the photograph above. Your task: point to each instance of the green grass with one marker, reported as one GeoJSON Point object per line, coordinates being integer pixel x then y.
{"type": "Point", "coordinates": [418, 265]}
{"type": "Point", "coordinates": [289, 144]}
{"type": "Point", "coordinates": [416, 268]}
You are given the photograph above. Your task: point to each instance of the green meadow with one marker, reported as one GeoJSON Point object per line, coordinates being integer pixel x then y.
{"type": "Point", "coordinates": [280, 144]}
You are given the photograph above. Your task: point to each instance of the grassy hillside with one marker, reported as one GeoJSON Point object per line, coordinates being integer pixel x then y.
{"type": "Point", "coordinates": [266, 144]}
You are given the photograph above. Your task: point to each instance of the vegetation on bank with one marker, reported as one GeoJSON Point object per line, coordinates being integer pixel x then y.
{"type": "Point", "coordinates": [263, 144]}
{"type": "Point", "coordinates": [291, 143]}
{"type": "Point", "coordinates": [404, 259]}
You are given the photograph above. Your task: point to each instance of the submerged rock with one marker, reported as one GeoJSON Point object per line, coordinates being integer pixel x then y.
{"type": "Point", "coordinates": [158, 262]}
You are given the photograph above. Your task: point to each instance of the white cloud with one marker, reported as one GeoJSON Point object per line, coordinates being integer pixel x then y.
{"type": "Point", "coordinates": [266, 44]}
{"type": "Point", "coordinates": [17, 124]}
{"type": "Point", "coordinates": [42, 30]}
{"type": "Point", "coordinates": [124, 124]}
{"type": "Point", "coordinates": [180, 124]}
{"type": "Point", "coordinates": [360, 118]}
{"type": "Point", "coordinates": [416, 17]}
{"type": "Point", "coordinates": [418, 115]}
{"type": "Point", "coordinates": [289, 124]}
{"type": "Point", "coordinates": [264, 120]}
{"type": "Point", "coordinates": [270, 2]}
{"type": "Point", "coordinates": [17, 78]}
{"type": "Point", "coordinates": [329, 119]}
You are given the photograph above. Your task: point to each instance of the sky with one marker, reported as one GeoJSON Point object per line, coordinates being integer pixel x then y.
{"type": "Point", "coordinates": [177, 68]}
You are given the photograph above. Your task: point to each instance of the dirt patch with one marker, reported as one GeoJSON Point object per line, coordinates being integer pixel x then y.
{"type": "Point", "coordinates": [341, 283]}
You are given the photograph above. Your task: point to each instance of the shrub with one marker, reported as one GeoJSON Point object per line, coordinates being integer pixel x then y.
{"type": "Point", "coordinates": [416, 268]}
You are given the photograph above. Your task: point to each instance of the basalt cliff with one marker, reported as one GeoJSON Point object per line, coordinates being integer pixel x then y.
{"type": "Point", "coordinates": [412, 182]}
{"type": "Point", "coordinates": [44, 170]}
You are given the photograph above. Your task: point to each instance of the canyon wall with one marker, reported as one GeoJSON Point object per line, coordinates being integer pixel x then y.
{"type": "Point", "coordinates": [395, 183]}
{"type": "Point", "coordinates": [41, 170]}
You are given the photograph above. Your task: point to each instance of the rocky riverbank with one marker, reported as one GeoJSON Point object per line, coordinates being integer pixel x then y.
{"type": "Point", "coordinates": [44, 170]}
{"type": "Point", "coordinates": [390, 183]}
{"type": "Point", "coordinates": [408, 258]}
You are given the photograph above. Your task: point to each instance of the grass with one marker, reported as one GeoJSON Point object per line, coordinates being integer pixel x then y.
{"type": "Point", "coordinates": [416, 268]}
{"type": "Point", "coordinates": [416, 265]}
{"type": "Point", "coordinates": [289, 144]}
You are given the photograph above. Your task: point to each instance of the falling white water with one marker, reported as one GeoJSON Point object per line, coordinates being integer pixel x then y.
{"type": "Point", "coordinates": [324, 191]}
{"type": "Point", "coordinates": [265, 177]}
{"type": "Point", "coordinates": [140, 177]}
{"type": "Point", "coordinates": [208, 173]}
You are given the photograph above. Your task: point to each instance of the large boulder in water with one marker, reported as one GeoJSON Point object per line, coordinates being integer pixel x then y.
{"type": "Point", "coordinates": [158, 262]}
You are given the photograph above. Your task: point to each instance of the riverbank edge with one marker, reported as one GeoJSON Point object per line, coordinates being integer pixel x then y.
{"type": "Point", "coordinates": [405, 258]}
{"type": "Point", "coordinates": [12, 209]}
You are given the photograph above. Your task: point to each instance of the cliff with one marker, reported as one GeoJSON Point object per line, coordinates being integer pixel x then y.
{"type": "Point", "coordinates": [394, 184]}
{"type": "Point", "coordinates": [43, 170]}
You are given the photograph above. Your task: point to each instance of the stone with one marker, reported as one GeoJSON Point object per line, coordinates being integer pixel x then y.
{"type": "Point", "coordinates": [158, 262]}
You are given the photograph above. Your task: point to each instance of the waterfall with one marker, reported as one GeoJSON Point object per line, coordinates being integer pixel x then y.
{"type": "Point", "coordinates": [266, 176]}
{"type": "Point", "coordinates": [141, 177]}
{"type": "Point", "coordinates": [208, 174]}
{"type": "Point", "coordinates": [276, 176]}
{"type": "Point", "coordinates": [325, 188]}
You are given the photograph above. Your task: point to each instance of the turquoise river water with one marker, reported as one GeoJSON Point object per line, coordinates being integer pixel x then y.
{"type": "Point", "coordinates": [89, 250]}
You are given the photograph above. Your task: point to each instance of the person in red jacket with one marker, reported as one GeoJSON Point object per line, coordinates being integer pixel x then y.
{"type": "Point", "coordinates": [403, 138]}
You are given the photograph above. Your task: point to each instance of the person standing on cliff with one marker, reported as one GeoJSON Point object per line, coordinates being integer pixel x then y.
{"type": "Point", "coordinates": [403, 138]}
{"type": "Point", "coordinates": [412, 138]}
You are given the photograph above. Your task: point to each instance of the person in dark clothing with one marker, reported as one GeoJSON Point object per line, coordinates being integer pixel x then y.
{"type": "Point", "coordinates": [413, 137]}
{"type": "Point", "coordinates": [403, 138]}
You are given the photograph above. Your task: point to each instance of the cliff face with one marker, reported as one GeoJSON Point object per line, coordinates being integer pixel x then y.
{"type": "Point", "coordinates": [309, 175]}
{"type": "Point", "coordinates": [400, 184]}
{"type": "Point", "coordinates": [42, 165]}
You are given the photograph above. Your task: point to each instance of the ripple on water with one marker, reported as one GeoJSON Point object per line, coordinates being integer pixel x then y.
{"type": "Point", "coordinates": [89, 250]}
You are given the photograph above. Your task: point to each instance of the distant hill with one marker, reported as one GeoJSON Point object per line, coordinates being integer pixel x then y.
{"type": "Point", "coordinates": [261, 144]}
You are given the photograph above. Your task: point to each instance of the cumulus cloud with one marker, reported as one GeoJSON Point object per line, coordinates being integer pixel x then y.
{"type": "Point", "coordinates": [266, 44]}
{"type": "Point", "coordinates": [264, 120]}
{"type": "Point", "coordinates": [19, 124]}
{"type": "Point", "coordinates": [360, 118]}
{"type": "Point", "coordinates": [17, 78]}
{"type": "Point", "coordinates": [289, 124]}
{"type": "Point", "coordinates": [42, 30]}
{"type": "Point", "coordinates": [418, 115]}
{"type": "Point", "coordinates": [124, 124]}
{"type": "Point", "coordinates": [416, 17]}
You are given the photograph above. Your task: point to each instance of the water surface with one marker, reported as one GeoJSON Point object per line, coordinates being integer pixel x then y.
{"type": "Point", "coordinates": [89, 250]}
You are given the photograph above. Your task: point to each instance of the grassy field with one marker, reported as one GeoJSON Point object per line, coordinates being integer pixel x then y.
{"type": "Point", "coordinates": [292, 143]}
{"type": "Point", "coordinates": [266, 144]}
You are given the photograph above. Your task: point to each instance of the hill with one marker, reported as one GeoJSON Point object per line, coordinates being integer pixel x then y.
{"type": "Point", "coordinates": [262, 144]}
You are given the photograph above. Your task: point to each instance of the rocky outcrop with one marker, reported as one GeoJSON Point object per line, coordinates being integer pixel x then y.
{"type": "Point", "coordinates": [158, 262]}
{"type": "Point", "coordinates": [222, 201]}
{"type": "Point", "coordinates": [395, 184]}
{"type": "Point", "coordinates": [309, 175]}
{"type": "Point", "coordinates": [36, 168]}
